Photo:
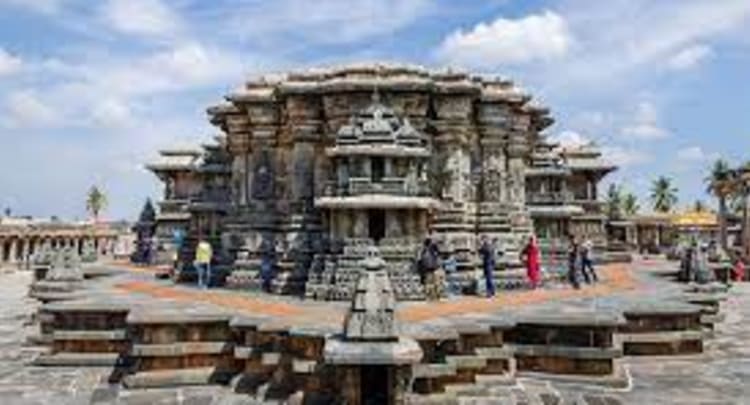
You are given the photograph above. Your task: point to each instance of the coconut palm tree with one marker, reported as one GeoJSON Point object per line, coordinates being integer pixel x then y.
{"type": "Point", "coordinates": [630, 204]}
{"type": "Point", "coordinates": [96, 201]}
{"type": "Point", "coordinates": [721, 183]}
{"type": "Point", "coordinates": [614, 202]}
{"type": "Point", "coordinates": [663, 194]}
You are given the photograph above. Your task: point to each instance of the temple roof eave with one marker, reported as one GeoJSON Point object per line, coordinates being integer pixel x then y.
{"type": "Point", "coordinates": [377, 150]}
{"type": "Point", "coordinates": [380, 201]}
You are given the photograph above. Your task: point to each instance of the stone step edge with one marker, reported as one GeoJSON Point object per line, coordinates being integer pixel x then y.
{"type": "Point", "coordinates": [659, 337]}
{"type": "Point", "coordinates": [69, 359]}
{"type": "Point", "coordinates": [430, 399]}
{"type": "Point", "coordinates": [433, 370]}
{"type": "Point", "coordinates": [570, 352]}
{"type": "Point", "coordinates": [619, 379]}
{"type": "Point", "coordinates": [466, 361]}
{"type": "Point", "coordinates": [174, 378]}
{"type": "Point", "coordinates": [180, 349]}
{"type": "Point", "coordinates": [102, 335]}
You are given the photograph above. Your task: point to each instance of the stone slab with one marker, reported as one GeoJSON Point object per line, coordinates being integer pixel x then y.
{"type": "Point", "coordinates": [77, 360]}
{"type": "Point", "coordinates": [433, 370]}
{"type": "Point", "coordinates": [117, 334]}
{"type": "Point", "coordinates": [403, 351]}
{"type": "Point", "coordinates": [146, 316]}
{"type": "Point", "coordinates": [466, 361]}
{"type": "Point", "coordinates": [495, 353]}
{"type": "Point", "coordinates": [87, 306]}
{"type": "Point", "coordinates": [660, 308]}
{"type": "Point", "coordinates": [175, 378]}
{"type": "Point", "coordinates": [660, 337]}
{"type": "Point", "coordinates": [180, 349]}
{"type": "Point", "coordinates": [576, 318]}
{"type": "Point", "coordinates": [570, 352]}
{"type": "Point", "coordinates": [427, 331]}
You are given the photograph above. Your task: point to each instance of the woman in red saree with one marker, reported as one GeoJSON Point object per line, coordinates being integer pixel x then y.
{"type": "Point", "coordinates": [531, 259]}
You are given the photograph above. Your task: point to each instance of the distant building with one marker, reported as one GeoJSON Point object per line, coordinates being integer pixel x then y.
{"type": "Point", "coordinates": [21, 237]}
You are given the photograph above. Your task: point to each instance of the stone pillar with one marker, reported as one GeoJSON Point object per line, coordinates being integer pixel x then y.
{"type": "Point", "coordinates": [393, 225]}
{"type": "Point", "coordinates": [12, 254]}
{"type": "Point", "coordinates": [26, 249]}
{"type": "Point", "coordinates": [360, 223]}
{"type": "Point", "coordinates": [388, 166]}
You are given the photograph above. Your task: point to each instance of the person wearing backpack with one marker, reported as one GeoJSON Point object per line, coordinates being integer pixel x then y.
{"type": "Point", "coordinates": [429, 264]}
{"type": "Point", "coordinates": [487, 253]}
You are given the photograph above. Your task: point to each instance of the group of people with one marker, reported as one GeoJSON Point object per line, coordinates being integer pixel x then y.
{"type": "Point", "coordinates": [437, 273]}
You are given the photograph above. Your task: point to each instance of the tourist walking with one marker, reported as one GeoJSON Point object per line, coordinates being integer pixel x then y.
{"type": "Point", "coordinates": [429, 268]}
{"type": "Point", "coordinates": [203, 255]}
{"type": "Point", "coordinates": [573, 261]}
{"type": "Point", "coordinates": [531, 258]}
{"type": "Point", "coordinates": [738, 271]}
{"type": "Point", "coordinates": [587, 263]}
{"type": "Point", "coordinates": [487, 253]}
{"type": "Point", "coordinates": [268, 251]}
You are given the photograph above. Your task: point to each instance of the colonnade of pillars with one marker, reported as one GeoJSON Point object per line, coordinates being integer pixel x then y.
{"type": "Point", "coordinates": [19, 249]}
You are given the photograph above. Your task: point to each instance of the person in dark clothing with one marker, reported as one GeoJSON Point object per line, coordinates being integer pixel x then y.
{"type": "Point", "coordinates": [429, 263]}
{"type": "Point", "coordinates": [587, 264]}
{"type": "Point", "coordinates": [487, 253]}
{"type": "Point", "coordinates": [573, 262]}
{"type": "Point", "coordinates": [266, 265]}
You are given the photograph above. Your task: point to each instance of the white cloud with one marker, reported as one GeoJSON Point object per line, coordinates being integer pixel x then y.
{"type": "Point", "coordinates": [695, 154]}
{"type": "Point", "coordinates": [569, 139]}
{"type": "Point", "coordinates": [504, 41]}
{"type": "Point", "coordinates": [141, 17]}
{"type": "Point", "coordinates": [38, 6]}
{"type": "Point", "coordinates": [689, 57]}
{"type": "Point", "coordinates": [326, 22]}
{"type": "Point", "coordinates": [625, 157]}
{"type": "Point", "coordinates": [9, 64]}
{"type": "Point", "coordinates": [25, 109]}
{"type": "Point", "coordinates": [645, 123]}
{"type": "Point", "coordinates": [112, 113]}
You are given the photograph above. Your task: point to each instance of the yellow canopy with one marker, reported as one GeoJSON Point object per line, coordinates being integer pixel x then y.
{"type": "Point", "coordinates": [695, 219]}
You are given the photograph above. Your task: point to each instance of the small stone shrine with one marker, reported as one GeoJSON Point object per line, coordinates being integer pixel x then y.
{"type": "Point", "coordinates": [62, 279]}
{"type": "Point", "coordinates": [372, 362]}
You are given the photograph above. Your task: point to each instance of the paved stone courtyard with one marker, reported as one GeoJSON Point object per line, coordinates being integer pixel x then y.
{"type": "Point", "coordinates": [718, 376]}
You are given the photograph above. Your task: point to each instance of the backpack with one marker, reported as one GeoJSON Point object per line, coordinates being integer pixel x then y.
{"type": "Point", "coordinates": [427, 260]}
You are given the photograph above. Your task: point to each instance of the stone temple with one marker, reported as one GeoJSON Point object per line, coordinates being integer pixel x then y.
{"type": "Point", "coordinates": [323, 164]}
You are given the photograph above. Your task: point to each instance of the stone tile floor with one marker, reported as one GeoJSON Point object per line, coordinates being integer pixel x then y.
{"type": "Point", "coordinates": [719, 376]}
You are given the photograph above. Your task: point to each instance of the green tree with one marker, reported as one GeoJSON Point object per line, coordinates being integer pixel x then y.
{"type": "Point", "coordinates": [614, 202]}
{"type": "Point", "coordinates": [663, 194]}
{"type": "Point", "coordinates": [721, 183]}
{"type": "Point", "coordinates": [630, 204]}
{"type": "Point", "coordinates": [96, 201]}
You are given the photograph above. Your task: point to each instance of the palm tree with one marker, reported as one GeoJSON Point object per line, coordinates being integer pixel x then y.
{"type": "Point", "coordinates": [96, 200]}
{"type": "Point", "coordinates": [630, 204]}
{"type": "Point", "coordinates": [663, 194]}
{"type": "Point", "coordinates": [614, 202]}
{"type": "Point", "coordinates": [720, 182]}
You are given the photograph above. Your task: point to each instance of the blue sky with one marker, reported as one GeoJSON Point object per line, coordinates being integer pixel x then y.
{"type": "Point", "coordinates": [89, 90]}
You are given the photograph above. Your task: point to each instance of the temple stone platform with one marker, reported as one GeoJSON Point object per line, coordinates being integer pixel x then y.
{"type": "Point", "coordinates": [143, 334]}
{"type": "Point", "coordinates": [661, 328]}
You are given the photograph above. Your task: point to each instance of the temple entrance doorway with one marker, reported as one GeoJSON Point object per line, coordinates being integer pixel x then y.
{"type": "Point", "coordinates": [376, 225]}
{"type": "Point", "coordinates": [374, 385]}
{"type": "Point", "coordinates": [378, 169]}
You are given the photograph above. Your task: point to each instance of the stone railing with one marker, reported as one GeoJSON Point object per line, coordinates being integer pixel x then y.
{"type": "Point", "coordinates": [559, 197]}
{"type": "Point", "coordinates": [386, 185]}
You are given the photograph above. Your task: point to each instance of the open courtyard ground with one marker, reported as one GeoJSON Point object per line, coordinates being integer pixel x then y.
{"type": "Point", "coordinates": [717, 376]}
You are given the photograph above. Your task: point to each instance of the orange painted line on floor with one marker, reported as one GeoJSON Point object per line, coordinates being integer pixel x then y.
{"type": "Point", "coordinates": [616, 278]}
